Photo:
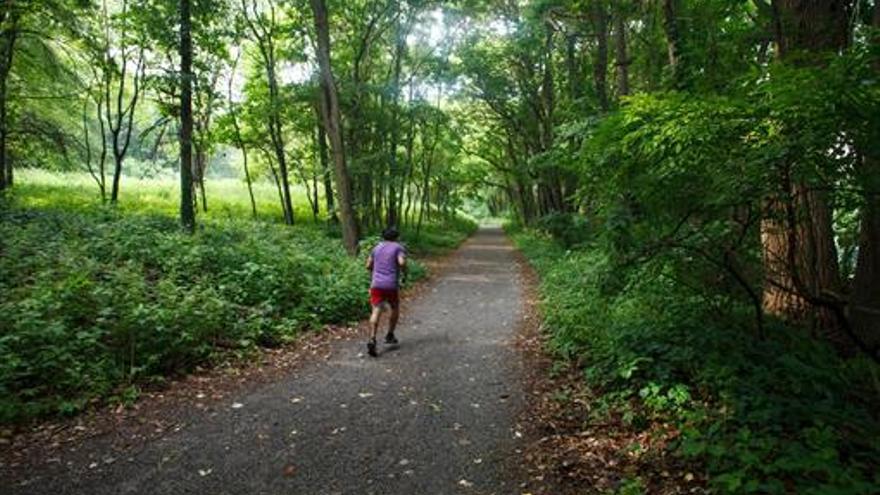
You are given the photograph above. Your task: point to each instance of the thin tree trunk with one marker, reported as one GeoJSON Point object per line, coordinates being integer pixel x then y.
{"type": "Point", "coordinates": [266, 46]}
{"type": "Point", "coordinates": [187, 213]}
{"type": "Point", "coordinates": [277, 138]}
{"type": "Point", "coordinates": [600, 62]}
{"type": "Point", "coordinates": [325, 170]}
{"type": "Point", "coordinates": [620, 53]}
{"type": "Point", "coordinates": [238, 137]}
{"type": "Point", "coordinates": [200, 166]}
{"type": "Point", "coordinates": [316, 204]}
{"type": "Point", "coordinates": [275, 177]}
{"type": "Point", "coordinates": [673, 40]}
{"type": "Point", "coordinates": [98, 175]}
{"type": "Point", "coordinates": [8, 37]}
{"type": "Point", "coordinates": [575, 79]}
{"type": "Point", "coordinates": [121, 124]}
{"type": "Point", "coordinates": [332, 124]}
{"type": "Point", "coordinates": [400, 44]}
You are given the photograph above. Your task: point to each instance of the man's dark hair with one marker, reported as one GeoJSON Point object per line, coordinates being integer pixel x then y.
{"type": "Point", "coordinates": [390, 234]}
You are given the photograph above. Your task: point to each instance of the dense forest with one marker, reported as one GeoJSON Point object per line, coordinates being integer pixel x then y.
{"type": "Point", "coordinates": [696, 182]}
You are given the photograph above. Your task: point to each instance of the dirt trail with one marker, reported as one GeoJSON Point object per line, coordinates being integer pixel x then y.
{"type": "Point", "coordinates": [435, 416]}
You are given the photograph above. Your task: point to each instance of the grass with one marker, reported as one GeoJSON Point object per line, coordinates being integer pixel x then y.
{"type": "Point", "coordinates": [227, 198]}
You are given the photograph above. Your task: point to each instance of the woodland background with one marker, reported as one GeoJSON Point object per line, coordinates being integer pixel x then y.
{"type": "Point", "coordinates": [696, 181]}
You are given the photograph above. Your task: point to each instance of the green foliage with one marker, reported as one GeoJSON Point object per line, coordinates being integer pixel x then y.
{"type": "Point", "coordinates": [97, 300]}
{"type": "Point", "coordinates": [780, 415]}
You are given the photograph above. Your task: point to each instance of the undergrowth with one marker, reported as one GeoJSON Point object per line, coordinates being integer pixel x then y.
{"type": "Point", "coordinates": [97, 301]}
{"type": "Point", "coordinates": [783, 414]}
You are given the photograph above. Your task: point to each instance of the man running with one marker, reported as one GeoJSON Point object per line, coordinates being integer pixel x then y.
{"type": "Point", "coordinates": [386, 261]}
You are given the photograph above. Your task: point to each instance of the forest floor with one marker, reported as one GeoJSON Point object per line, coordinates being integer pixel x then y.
{"type": "Point", "coordinates": [443, 413]}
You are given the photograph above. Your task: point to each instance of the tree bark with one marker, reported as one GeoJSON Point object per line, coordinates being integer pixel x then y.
{"type": "Point", "coordinates": [620, 53]}
{"type": "Point", "coordinates": [187, 212]}
{"type": "Point", "coordinates": [803, 282]}
{"type": "Point", "coordinates": [865, 299]}
{"type": "Point", "coordinates": [599, 19]}
{"type": "Point", "coordinates": [325, 169]}
{"type": "Point", "coordinates": [10, 18]}
{"type": "Point", "coordinates": [238, 137]}
{"type": "Point", "coordinates": [400, 44]}
{"type": "Point", "coordinates": [573, 69]}
{"type": "Point", "coordinates": [331, 117]}
{"type": "Point", "coordinates": [673, 41]}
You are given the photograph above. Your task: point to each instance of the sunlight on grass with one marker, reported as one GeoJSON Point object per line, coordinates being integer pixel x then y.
{"type": "Point", "coordinates": [227, 198]}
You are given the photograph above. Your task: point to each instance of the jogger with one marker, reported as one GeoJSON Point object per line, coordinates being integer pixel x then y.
{"type": "Point", "coordinates": [386, 262]}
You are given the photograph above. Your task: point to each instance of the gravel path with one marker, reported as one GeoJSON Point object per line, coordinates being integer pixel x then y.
{"type": "Point", "coordinates": [435, 416]}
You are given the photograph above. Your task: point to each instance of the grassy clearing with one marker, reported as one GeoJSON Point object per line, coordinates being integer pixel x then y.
{"type": "Point", "coordinates": [99, 300]}
{"type": "Point", "coordinates": [227, 198]}
{"type": "Point", "coordinates": [779, 415]}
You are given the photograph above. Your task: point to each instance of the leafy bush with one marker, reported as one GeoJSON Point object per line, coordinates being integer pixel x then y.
{"type": "Point", "coordinates": [779, 415]}
{"type": "Point", "coordinates": [94, 298]}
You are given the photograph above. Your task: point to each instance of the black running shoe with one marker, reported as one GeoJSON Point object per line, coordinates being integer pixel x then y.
{"type": "Point", "coordinates": [371, 348]}
{"type": "Point", "coordinates": [390, 339]}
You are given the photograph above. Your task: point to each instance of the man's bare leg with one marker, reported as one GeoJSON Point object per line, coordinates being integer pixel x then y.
{"type": "Point", "coordinates": [392, 321]}
{"type": "Point", "coordinates": [392, 325]}
{"type": "Point", "coordinates": [374, 320]}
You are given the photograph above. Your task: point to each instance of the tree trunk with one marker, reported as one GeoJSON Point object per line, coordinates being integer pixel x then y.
{"type": "Point", "coordinates": [865, 299]}
{"type": "Point", "coordinates": [621, 58]}
{"type": "Point", "coordinates": [673, 40]}
{"type": "Point", "coordinates": [238, 138]}
{"type": "Point", "coordinates": [599, 19]}
{"type": "Point", "coordinates": [8, 37]}
{"type": "Point", "coordinates": [266, 45]}
{"type": "Point", "coordinates": [547, 92]}
{"type": "Point", "coordinates": [187, 213]}
{"type": "Point", "coordinates": [331, 116]}
{"type": "Point", "coordinates": [121, 125]}
{"type": "Point", "coordinates": [400, 44]}
{"type": "Point", "coordinates": [800, 258]}
{"type": "Point", "coordinates": [325, 171]}
{"type": "Point", "coordinates": [199, 175]}
{"type": "Point", "coordinates": [277, 136]}
{"type": "Point", "coordinates": [573, 69]}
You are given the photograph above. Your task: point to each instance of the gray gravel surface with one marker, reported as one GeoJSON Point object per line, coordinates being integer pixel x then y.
{"type": "Point", "coordinates": [436, 415]}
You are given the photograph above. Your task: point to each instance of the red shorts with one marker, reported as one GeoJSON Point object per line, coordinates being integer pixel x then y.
{"type": "Point", "coordinates": [391, 296]}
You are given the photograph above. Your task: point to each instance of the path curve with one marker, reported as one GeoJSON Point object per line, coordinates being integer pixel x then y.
{"type": "Point", "coordinates": [436, 416]}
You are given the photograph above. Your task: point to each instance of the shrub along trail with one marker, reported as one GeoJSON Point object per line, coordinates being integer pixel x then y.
{"type": "Point", "coordinates": [437, 415]}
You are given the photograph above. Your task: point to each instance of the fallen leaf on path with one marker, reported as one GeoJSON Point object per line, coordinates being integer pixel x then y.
{"type": "Point", "coordinates": [289, 470]}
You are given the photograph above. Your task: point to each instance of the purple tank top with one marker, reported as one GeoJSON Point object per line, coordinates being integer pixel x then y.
{"type": "Point", "coordinates": [385, 269]}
